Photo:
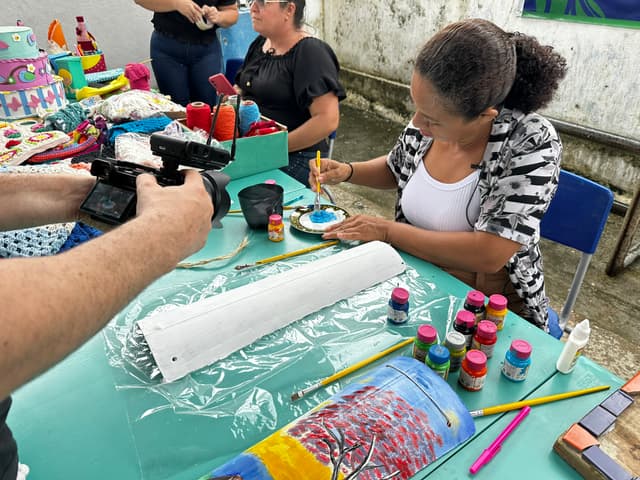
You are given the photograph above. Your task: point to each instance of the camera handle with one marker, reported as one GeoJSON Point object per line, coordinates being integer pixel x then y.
{"type": "Point", "coordinates": [236, 126]}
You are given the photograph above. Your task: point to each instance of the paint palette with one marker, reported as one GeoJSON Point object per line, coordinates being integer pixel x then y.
{"type": "Point", "coordinates": [301, 218]}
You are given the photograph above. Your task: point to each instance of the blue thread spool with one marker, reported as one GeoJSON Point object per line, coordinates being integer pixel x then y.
{"type": "Point", "coordinates": [517, 361]}
{"type": "Point", "coordinates": [249, 113]}
{"type": "Point", "coordinates": [398, 311]}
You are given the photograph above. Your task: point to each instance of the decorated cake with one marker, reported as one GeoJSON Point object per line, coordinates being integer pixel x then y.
{"type": "Point", "coordinates": [28, 86]}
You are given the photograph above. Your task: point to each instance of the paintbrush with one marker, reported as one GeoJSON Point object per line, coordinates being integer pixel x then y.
{"type": "Point", "coordinates": [343, 373]}
{"type": "Point", "coordinates": [316, 203]}
{"type": "Point", "coordinates": [287, 255]}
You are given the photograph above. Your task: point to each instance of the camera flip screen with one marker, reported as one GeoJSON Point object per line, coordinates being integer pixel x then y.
{"type": "Point", "coordinates": [108, 203]}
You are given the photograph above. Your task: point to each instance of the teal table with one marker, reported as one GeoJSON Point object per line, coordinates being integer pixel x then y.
{"type": "Point", "coordinates": [79, 421]}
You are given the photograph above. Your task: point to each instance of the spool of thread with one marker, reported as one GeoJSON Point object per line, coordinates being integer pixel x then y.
{"type": "Point", "coordinates": [225, 123]}
{"type": "Point", "coordinates": [199, 116]}
{"type": "Point", "coordinates": [249, 113]}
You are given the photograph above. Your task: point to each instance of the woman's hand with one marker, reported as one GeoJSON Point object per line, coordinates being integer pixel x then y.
{"type": "Point", "coordinates": [212, 14]}
{"type": "Point", "coordinates": [360, 227]}
{"type": "Point", "coordinates": [190, 10]}
{"type": "Point", "coordinates": [331, 172]}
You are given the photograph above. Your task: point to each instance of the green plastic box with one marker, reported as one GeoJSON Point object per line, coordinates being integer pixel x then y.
{"type": "Point", "coordinates": [256, 154]}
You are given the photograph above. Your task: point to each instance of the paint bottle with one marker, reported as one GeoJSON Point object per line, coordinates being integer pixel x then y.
{"type": "Point", "coordinates": [578, 339]}
{"type": "Point", "coordinates": [517, 361]}
{"type": "Point", "coordinates": [473, 371]}
{"type": "Point", "coordinates": [275, 228]}
{"type": "Point", "coordinates": [426, 337]}
{"type": "Point", "coordinates": [485, 337]}
{"type": "Point", "coordinates": [398, 310]}
{"type": "Point", "coordinates": [456, 343]}
{"type": "Point", "coordinates": [497, 309]}
{"type": "Point", "coordinates": [475, 304]}
{"type": "Point", "coordinates": [438, 360]}
{"type": "Point", "coordinates": [465, 323]}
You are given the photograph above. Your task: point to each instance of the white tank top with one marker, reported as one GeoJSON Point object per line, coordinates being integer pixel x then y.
{"type": "Point", "coordinates": [443, 207]}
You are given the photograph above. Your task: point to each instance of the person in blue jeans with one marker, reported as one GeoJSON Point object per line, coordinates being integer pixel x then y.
{"type": "Point", "coordinates": [185, 50]}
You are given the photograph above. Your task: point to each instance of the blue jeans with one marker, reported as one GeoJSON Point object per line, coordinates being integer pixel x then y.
{"type": "Point", "coordinates": [182, 70]}
{"type": "Point", "coordinates": [298, 167]}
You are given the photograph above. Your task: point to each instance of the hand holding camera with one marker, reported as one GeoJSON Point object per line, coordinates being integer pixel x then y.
{"type": "Point", "coordinates": [113, 199]}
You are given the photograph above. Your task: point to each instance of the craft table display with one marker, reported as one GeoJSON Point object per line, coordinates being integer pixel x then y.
{"type": "Point", "coordinates": [96, 416]}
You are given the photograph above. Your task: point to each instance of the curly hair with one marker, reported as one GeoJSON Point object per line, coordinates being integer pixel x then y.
{"type": "Point", "coordinates": [474, 65]}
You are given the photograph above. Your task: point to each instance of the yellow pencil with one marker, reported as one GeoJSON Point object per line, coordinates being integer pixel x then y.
{"type": "Point", "coordinates": [288, 254]}
{"type": "Point", "coordinates": [316, 203]}
{"type": "Point", "coordinates": [535, 401]}
{"type": "Point", "coordinates": [343, 373]}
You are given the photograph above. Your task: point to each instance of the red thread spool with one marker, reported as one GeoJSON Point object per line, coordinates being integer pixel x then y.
{"type": "Point", "coordinates": [225, 123]}
{"type": "Point", "coordinates": [199, 116]}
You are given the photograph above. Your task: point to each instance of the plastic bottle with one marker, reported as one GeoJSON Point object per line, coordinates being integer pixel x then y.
{"type": "Point", "coordinates": [438, 360]}
{"type": "Point", "coordinates": [475, 304]}
{"type": "Point", "coordinates": [427, 335]}
{"type": "Point", "coordinates": [457, 346]}
{"type": "Point", "coordinates": [474, 371]}
{"type": "Point", "coordinates": [275, 228]}
{"type": "Point", "coordinates": [465, 323]}
{"type": "Point", "coordinates": [517, 361]}
{"type": "Point", "coordinates": [398, 311]}
{"type": "Point", "coordinates": [578, 339]}
{"type": "Point", "coordinates": [497, 309]}
{"type": "Point", "coordinates": [485, 337]}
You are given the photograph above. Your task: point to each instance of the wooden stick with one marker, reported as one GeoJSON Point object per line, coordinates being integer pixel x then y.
{"type": "Point", "coordinates": [288, 255]}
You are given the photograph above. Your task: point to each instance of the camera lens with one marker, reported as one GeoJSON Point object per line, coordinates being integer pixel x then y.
{"type": "Point", "coordinates": [216, 184]}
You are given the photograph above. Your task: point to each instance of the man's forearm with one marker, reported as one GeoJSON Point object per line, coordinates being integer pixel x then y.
{"type": "Point", "coordinates": [52, 305]}
{"type": "Point", "coordinates": [41, 199]}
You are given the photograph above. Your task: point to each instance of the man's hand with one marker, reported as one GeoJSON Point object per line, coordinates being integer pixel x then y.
{"type": "Point", "coordinates": [187, 209]}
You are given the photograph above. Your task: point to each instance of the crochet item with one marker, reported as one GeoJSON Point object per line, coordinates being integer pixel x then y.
{"type": "Point", "coordinates": [80, 234]}
{"type": "Point", "coordinates": [138, 75]}
{"type": "Point", "coordinates": [148, 125]}
{"type": "Point", "coordinates": [106, 76]}
{"type": "Point", "coordinates": [34, 242]}
{"type": "Point", "coordinates": [136, 105]}
{"type": "Point", "coordinates": [43, 240]}
{"type": "Point", "coordinates": [18, 142]}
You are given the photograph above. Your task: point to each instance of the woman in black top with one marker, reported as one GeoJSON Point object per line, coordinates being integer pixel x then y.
{"type": "Point", "coordinates": [185, 50]}
{"type": "Point", "coordinates": [293, 78]}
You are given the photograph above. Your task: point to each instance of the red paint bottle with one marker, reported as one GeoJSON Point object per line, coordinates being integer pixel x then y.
{"type": "Point", "coordinates": [485, 337]}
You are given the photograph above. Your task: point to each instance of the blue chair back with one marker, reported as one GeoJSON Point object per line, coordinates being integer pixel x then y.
{"type": "Point", "coordinates": [575, 218]}
{"type": "Point", "coordinates": [578, 213]}
{"type": "Point", "coordinates": [235, 42]}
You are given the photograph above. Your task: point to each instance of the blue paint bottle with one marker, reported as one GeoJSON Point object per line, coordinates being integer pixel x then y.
{"type": "Point", "coordinates": [517, 361]}
{"type": "Point", "coordinates": [398, 311]}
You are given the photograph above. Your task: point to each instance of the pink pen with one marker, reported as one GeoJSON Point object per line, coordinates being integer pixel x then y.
{"type": "Point", "coordinates": [490, 452]}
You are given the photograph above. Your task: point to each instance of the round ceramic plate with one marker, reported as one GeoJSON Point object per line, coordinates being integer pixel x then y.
{"type": "Point", "coordinates": [299, 214]}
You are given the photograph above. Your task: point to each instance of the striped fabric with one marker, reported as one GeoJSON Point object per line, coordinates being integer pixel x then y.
{"type": "Point", "coordinates": [518, 178]}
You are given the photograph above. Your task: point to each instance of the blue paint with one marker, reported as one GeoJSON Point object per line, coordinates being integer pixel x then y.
{"type": "Point", "coordinates": [322, 216]}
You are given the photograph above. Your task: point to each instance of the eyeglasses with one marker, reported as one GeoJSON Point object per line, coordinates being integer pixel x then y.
{"type": "Point", "coordinates": [261, 3]}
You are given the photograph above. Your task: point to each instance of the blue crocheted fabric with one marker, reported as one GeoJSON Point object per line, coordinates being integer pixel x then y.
{"type": "Point", "coordinates": [80, 234]}
{"type": "Point", "coordinates": [148, 125]}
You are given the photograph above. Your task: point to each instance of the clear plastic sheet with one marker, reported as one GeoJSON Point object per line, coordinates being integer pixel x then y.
{"type": "Point", "coordinates": [246, 396]}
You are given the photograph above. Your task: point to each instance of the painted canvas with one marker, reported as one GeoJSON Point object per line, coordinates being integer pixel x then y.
{"type": "Point", "coordinates": [388, 424]}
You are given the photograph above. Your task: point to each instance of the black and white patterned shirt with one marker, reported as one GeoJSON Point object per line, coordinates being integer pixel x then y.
{"type": "Point", "coordinates": [518, 178]}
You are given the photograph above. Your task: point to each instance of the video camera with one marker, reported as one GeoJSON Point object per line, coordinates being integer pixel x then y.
{"type": "Point", "coordinates": [113, 198]}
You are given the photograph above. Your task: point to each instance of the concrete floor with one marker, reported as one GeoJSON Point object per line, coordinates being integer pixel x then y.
{"type": "Point", "coordinates": [611, 304]}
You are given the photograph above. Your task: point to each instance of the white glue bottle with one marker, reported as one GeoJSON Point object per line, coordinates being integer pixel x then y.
{"type": "Point", "coordinates": [573, 347]}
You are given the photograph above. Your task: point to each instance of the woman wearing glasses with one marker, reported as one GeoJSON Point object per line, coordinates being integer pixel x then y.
{"type": "Point", "coordinates": [476, 168]}
{"type": "Point", "coordinates": [293, 77]}
{"type": "Point", "coordinates": [185, 50]}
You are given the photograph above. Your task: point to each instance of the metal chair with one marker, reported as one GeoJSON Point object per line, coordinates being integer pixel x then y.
{"type": "Point", "coordinates": [576, 218]}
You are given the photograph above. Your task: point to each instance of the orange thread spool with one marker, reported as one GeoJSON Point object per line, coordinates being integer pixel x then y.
{"type": "Point", "coordinates": [199, 116]}
{"type": "Point", "coordinates": [225, 123]}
